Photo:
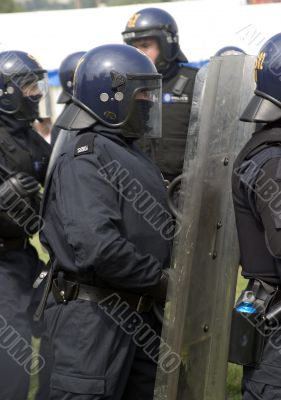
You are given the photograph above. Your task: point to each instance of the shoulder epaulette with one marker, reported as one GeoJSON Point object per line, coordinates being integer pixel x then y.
{"type": "Point", "coordinates": [85, 144]}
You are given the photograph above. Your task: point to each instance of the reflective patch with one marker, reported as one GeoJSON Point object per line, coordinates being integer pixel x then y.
{"type": "Point", "coordinates": [171, 98]}
{"type": "Point", "coordinates": [82, 149]}
{"type": "Point", "coordinates": [85, 144]}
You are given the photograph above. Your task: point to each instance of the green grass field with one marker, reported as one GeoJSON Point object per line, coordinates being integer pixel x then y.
{"type": "Point", "coordinates": [234, 372]}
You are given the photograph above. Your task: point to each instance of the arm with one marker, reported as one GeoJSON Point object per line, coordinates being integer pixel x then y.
{"type": "Point", "coordinates": [268, 202]}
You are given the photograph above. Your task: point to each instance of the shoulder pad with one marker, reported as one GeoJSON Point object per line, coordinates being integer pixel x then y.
{"type": "Point", "coordinates": [85, 144]}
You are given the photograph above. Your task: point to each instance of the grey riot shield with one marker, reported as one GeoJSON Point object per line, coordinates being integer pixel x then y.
{"type": "Point", "coordinates": [206, 255]}
{"type": "Point", "coordinates": [193, 134]}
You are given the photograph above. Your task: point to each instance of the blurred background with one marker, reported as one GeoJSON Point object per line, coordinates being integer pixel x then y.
{"type": "Point", "coordinates": [52, 29]}
{"type": "Point", "coordinates": [31, 5]}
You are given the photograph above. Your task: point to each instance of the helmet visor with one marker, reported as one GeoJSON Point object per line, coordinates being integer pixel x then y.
{"type": "Point", "coordinates": [145, 119]}
{"type": "Point", "coordinates": [35, 95]}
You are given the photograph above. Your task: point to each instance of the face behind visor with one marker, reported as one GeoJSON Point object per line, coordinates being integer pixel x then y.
{"type": "Point", "coordinates": [23, 84]}
{"type": "Point", "coordinates": [144, 120]}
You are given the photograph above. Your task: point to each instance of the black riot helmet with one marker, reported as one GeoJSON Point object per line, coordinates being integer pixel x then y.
{"type": "Point", "coordinates": [265, 106]}
{"type": "Point", "coordinates": [156, 23]}
{"type": "Point", "coordinates": [23, 83]}
{"type": "Point", "coordinates": [229, 51]}
{"type": "Point", "coordinates": [66, 75]}
{"type": "Point", "coordinates": [119, 87]}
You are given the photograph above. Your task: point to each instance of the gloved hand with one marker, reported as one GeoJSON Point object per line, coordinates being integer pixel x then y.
{"type": "Point", "coordinates": [159, 292]}
{"type": "Point", "coordinates": [21, 183]}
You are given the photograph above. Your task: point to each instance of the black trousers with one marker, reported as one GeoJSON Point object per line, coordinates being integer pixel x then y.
{"type": "Point", "coordinates": [39, 331]}
{"type": "Point", "coordinates": [17, 272]}
{"type": "Point", "coordinates": [18, 302]}
{"type": "Point", "coordinates": [260, 391]}
{"type": "Point", "coordinates": [44, 374]}
{"type": "Point", "coordinates": [264, 381]}
{"type": "Point", "coordinates": [95, 354]}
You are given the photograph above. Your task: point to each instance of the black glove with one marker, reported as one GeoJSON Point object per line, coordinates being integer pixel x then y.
{"type": "Point", "coordinates": [159, 291]}
{"type": "Point", "coordinates": [21, 183]}
{"type": "Point", "coordinates": [25, 185]}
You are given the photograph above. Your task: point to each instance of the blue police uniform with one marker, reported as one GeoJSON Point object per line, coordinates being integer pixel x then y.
{"type": "Point", "coordinates": [107, 224]}
{"type": "Point", "coordinates": [22, 150]}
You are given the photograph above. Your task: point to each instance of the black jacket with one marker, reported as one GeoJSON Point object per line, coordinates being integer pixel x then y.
{"type": "Point", "coordinates": [256, 187]}
{"type": "Point", "coordinates": [21, 150]}
{"type": "Point", "coordinates": [105, 212]}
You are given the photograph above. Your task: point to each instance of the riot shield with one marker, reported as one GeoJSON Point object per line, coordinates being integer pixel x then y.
{"type": "Point", "coordinates": [206, 255]}
{"type": "Point", "coordinates": [194, 125]}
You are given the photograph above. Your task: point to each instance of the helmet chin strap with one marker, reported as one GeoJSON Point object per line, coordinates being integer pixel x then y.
{"type": "Point", "coordinates": [162, 65]}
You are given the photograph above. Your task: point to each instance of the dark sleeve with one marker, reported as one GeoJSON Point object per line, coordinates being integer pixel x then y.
{"type": "Point", "coordinates": [92, 221]}
{"type": "Point", "coordinates": [41, 153]}
{"type": "Point", "coordinates": [268, 202]}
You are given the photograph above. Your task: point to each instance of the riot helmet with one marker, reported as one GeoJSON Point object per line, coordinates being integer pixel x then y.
{"type": "Point", "coordinates": [23, 83]}
{"type": "Point", "coordinates": [265, 106]}
{"type": "Point", "coordinates": [118, 86]}
{"type": "Point", "coordinates": [157, 24]}
{"type": "Point", "coordinates": [229, 51]}
{"type": "Point", "coordinates": [66, 74]}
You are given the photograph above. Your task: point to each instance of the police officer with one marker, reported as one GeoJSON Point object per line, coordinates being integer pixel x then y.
{"type": "Point", "coordinates": [24, 158]}
{"type": "Point", "coordinates": [66, 74]}
{"type": "Point", "coordinates": [108, 231]}
{"type": "Point", "coordinates": [256, 188]}
{"type": "Point", "coordinates": [155, 32]}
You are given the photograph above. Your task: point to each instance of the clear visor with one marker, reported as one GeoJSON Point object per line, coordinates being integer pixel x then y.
{"type": "Point", "coordinates": [38, 86]}
{"type": "Point", "coordinates": [37, 92]}
{"type": "Point", "coordinates": [146, 113]}
{"type": "Point", "coordinates": [154, 124]}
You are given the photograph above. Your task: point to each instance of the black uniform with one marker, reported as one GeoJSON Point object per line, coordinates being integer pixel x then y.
{"type": "Point", "coordinates": [98, 234]}
{"type": "Point", "coordinates": [21, 150]}
{"type": "Point", "coordinates": [256, 195]}
{"type": "Point", "coordinates": [168, 152]}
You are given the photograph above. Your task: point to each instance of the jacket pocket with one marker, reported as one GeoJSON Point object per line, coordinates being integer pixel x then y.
{"type": "Point", "coordinates": [78, 384]}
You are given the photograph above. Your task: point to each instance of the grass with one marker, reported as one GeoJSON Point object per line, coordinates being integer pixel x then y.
{"type": "Point", "coordinates": [234, 371]}
{"type": "Point", "coordinates": [34, 379]}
